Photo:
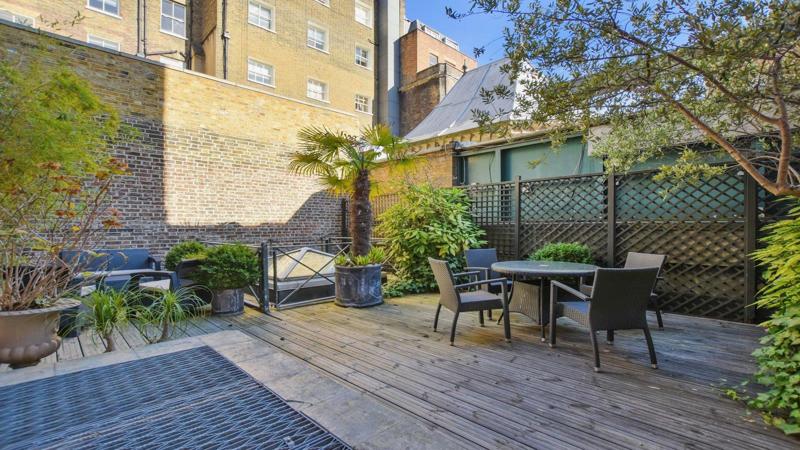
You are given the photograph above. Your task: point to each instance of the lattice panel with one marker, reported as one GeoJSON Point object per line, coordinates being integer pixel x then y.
{"type": "Point", "coordinates": [493, 209]}
{"type": "Point", "coordinates": [572, 209]}
{"type": "Point", "coordinates": [701, 228]}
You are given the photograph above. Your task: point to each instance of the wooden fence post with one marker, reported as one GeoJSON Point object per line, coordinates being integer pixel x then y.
{"type": "Point", "coordinates": [517, 216]}
{"type": "Point", "coordinates": [611, 217]}
{"type": "Point", "coordinates": [750, 244]}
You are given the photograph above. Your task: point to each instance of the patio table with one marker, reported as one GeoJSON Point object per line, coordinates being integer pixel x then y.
{"type": "Point", "coordinates": [544, 271]}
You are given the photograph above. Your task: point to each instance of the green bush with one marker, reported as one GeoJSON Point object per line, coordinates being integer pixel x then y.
{"type": "Point", "coordinates": [426, 222]}
{"type": "Point", "coordinates": [779, 357]}
{"type": "Point", "coordinates": [229, 266]}
{"type": "Point", "coordinates": [563, 251]}
{"type": "Point", "coordinates": [182, 251]}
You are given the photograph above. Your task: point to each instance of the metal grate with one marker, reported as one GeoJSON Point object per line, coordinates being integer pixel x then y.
{"type": "Point", "coordinates": [190, 399]}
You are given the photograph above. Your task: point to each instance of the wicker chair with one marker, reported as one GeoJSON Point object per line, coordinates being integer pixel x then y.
{"type": "Point", "coordinates": [618, 302]}
{"type": "Point", "coordinates": [456, 298]}
{"type": "Point", "coordinates": [481, 260]}
{"type": "Point", "coordinates": [636, 260]}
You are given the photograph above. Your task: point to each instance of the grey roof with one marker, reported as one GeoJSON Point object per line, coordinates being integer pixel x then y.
{"type": "Point", "coordinates": [454, 112]}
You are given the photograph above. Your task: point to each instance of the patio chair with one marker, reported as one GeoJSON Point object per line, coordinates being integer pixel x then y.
{"type": "Point", "coordinates": [481, 260]}
{"type": "Point", "coordinates": [636, 260]}
{"type": "Point", "coordinates": [618, 302]}
{"type": "Point", "coordinates": [453, 296]}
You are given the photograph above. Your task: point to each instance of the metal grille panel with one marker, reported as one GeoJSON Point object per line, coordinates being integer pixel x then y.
{"type": "Point", "coordinates": [190, 399]}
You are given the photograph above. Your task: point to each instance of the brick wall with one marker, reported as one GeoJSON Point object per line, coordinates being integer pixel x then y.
{"type": "Point", "coordinates": [434, 167]}
{"type": "Point", "coordinates": [210, 157]}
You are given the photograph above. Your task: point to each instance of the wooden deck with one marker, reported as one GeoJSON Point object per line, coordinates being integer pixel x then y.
{"type": "Point", "coordinates": [487, 393]}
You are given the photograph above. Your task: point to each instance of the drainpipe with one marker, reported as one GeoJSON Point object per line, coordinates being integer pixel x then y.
{"type": "Point", "coordinates": [144, 28]}
{"type": "Point", "coordinates": [225, 38]}
{"type": "Point", "coordinates": [138, 27]}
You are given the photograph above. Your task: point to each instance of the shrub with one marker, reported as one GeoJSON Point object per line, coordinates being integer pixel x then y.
{"type": "Point", "coordinates": [563, 251]}
{"type": "Point", "coordinates": [375, 256]}
{"type": "Point", "coordinates": [107, 311]}
{"type": "Point", "coordinates": [778, 361]}
{"type": "Point", "coordinates": [427, 222]}
{"type": "Point", "coordinates": [183, 251]}
{"type": "Point", "coordinates": [229, 266]}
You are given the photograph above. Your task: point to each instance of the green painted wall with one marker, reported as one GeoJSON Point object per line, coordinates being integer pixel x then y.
{"type": "Point", "coordinates": [507, 164]}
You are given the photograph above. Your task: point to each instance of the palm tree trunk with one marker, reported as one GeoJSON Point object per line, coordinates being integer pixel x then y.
{"type": "Point", "coordinates": [108, 339]}
{"type": "Point", "coordinates": [361, 215]}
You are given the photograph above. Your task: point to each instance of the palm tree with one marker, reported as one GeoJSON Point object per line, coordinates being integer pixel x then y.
{"type": "Point", "coordinates": [343, 162]}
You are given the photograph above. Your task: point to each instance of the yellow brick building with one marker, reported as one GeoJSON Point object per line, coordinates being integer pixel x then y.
{"type": "Point", "coordinates": [318, 51]}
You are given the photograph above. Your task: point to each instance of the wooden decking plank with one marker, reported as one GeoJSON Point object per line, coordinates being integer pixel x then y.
{"type": "Point", "coordinates": [596, 408]}
{"type": "Point", "coordinates": [511, 406]}
{"type": "Point", "coordinates": [714, 413]}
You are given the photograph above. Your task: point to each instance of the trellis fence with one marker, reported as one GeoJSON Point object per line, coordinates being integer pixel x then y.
{"type": "Point", "coordinates": [707, 230]}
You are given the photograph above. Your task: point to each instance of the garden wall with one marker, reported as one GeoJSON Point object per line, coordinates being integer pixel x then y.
{"type": "Point", "coordinates": [209, 157]}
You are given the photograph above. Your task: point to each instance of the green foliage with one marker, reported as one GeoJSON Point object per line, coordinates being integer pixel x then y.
{"type": "Point", "coordinates": [396, 287]}
{"type": "Point", "coordinates": [375, 256]}
{"type": "Point", "coordinates": [165, 312]}
{"type": "Point", "coordinates": [563, 251]}
{"type": "Point", "coordinates": [229, 266]}
{"type": "Point", "coordinates": [183, 251]}
{"type": "Point", "coordinates": [639, 78]}
{"type": "Point", "coordinates": [109, 310]}
{"type": "Point", "coordinates": [427, 222]}
{"type": "Point", "coordinates": [779, 357]}
{"type": "Point", "coordinates": [56, 169]}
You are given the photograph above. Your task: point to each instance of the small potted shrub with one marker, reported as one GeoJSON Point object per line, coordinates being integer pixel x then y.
{"type": "Point", "coordinates": [184, 251]}
{"type": "Point", "coordinates": [166, 312]}
{"type": "Point", "coordinates": [107, 310]}
{"type": "Point", "coordinates": [358, 279]}
{"type": "Point", "coordinates": [564, 252]}
{"type": "Point", "coordinates": [226, 270]}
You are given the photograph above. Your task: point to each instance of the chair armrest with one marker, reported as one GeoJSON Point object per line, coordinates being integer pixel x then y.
{"type": "Point", "coordinates": [466, 274]}
{"type": "Point", "coordinates": [557, 284]}
{"type": "Point", "coordinates": [154, 263]}
{"type": "Point", "coordinates": [502, 282]}
{"type": "Point", "coordinates": [485, 270]}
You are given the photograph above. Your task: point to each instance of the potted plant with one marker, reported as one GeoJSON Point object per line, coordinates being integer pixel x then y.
{"type": "Point", "coordinates": [358, 279]}
{"type": "Point", "coordinates": [165, 312]}
{"type": "Point", "coordinates": [107, 310]}
{"type": "Point", "coordinates": [343, 162]}
{"type": "Point", "coordinates": [226, 270]}
{"type": "Point", "coordinates": [55, 175]}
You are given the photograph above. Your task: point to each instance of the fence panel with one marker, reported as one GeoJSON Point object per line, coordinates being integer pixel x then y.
{"type": "Point", "coordinates": [493, 209]}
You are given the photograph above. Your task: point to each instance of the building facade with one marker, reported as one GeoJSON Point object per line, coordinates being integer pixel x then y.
{"type": "Point", "coordinates": [431, 64]}
{"type": "Point", "coordinates": [322, 52]}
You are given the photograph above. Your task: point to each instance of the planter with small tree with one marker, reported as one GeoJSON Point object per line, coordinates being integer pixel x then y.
{"type": "Point", "coordinates": [55, 173]}
{"type": "Point", "coordinates": [343, 162]}
{"type": "Point", "coordinates": [226, 270]}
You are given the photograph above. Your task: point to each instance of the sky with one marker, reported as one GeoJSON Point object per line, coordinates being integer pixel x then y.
{"type": "Point", "coordinates": [471, 32]}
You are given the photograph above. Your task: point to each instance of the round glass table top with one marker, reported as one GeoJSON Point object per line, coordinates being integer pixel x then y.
{"type": "Point", "coordinates": [544, 268]}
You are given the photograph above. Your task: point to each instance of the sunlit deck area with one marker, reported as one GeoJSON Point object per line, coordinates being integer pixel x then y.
{"type": "Point", "coordinates": [483, 392]}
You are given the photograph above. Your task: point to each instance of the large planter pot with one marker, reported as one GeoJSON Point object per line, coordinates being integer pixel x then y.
{"type": "Point", "coordinates": [28, 336]}
{"type": "Point", "coordinates": [228, 302]}
{"type": "Point", "coordinates": [358, 286]}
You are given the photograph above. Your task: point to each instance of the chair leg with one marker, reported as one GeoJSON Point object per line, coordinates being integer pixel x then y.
{"type": "Point", "coordinates": [650, 348]}
{"type": "Point", "coordinates": [480, 317]}
{"type": "Point", "coordinates": [501, 317]}
{"type": "Point", "coordinates": [436, 319]}
{"type": "Point", "coordinates": [657, 305]}
{"type": "Point", "coordinates": [593, 336]}
{"type": "Point", "coordinates": [453, 331]}
{"type": "Point", "coordinates": [552, 320]}
{"type": "Point", "coordinates": [489, 312]}
{"type": "Point", "coordinates": [610, 337]}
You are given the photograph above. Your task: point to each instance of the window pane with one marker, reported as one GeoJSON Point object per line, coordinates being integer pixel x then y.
{"type": "Point", "coordinates": [166, 7]}
{"type": "Point", "coordinates": [96, 4]}
{"type": "Point", "coordinates": [179, 28]}
{"type": "Point", "coordinates": [180, 12]}
{"type": "Point", "coordinates": [166, 23]}
{"type": "Point", "coordinates": [112, 6]}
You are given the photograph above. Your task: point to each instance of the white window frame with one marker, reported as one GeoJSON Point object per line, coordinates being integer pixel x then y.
{"type": "Point", "coordinates": [429, 59]}
{"type": "Point", "coordinates": [326, 90]}
{"type": "Point", "coordinates": [262, 6]}
{"type": "Point", "coordinates": [368, 9]}
{"type": "Point", "coordinates": [325, 3]}
{"type": "Point", "coordinates": [265, 65]}
{"type": "Point", "coordinates": [367, 103]}
{"type": "Point", "coordinates": [103, 11]}
{"type": "Point", "coordinates": [326, 43]}
{"type": "Point", "coordinates": [358, 55]}
{"type": "Point", "coordinates": [173, 18]}
{"type": "Point", "coordinates": [102, 42]}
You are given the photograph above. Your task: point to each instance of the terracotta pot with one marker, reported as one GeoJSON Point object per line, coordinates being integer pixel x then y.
{"type": "Point", "coordinates": [358, 286]}
{"type": "Point", "coordinates": [228, 302]}
{"type": "Point", "coordinates": [29, 335]}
